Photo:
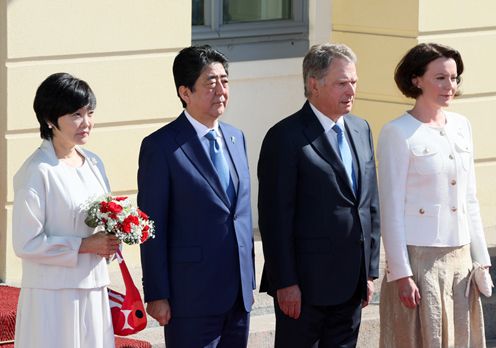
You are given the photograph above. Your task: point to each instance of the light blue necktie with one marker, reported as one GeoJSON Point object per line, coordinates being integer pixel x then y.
{"type": "Point", "coordinates": [220, 163]}
{"type": "Point", "coordinates": [345, 154]}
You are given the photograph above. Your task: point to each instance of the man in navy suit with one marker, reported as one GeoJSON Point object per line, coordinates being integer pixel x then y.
{"type": "Point", "coordinates": [193, 181]}
{"type": "Point", "coordinates": [318, 209]}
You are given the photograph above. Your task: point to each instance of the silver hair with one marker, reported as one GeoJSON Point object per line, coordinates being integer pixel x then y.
{"type": "Point", "coordinates": [319, 58]}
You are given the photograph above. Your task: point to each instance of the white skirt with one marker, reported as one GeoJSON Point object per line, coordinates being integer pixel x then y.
{"type": "Point", "coordinates": [64, 318]}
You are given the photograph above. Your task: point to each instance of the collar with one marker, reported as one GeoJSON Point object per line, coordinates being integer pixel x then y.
{"type": "Point", "coordinates": [200, 128]}
{"type": "Point", "coordinates": [325, 121]}
{"type": "Point", "coordinates": [47, 147]}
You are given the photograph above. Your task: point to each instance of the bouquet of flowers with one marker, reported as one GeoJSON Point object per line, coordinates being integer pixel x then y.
{"type": "Point", "coordinates": [118, 216]}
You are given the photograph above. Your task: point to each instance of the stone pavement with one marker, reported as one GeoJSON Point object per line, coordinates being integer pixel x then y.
{"type": "Point", "coordinates": [263, 321]}
{"type": "Point", "coordinates": [262, 317]}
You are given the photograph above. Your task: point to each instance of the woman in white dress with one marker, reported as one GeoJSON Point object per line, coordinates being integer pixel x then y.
{"type": "Point", "coordinates": [430, 219]}
{"type": "Point", "coordinates": [63, 301]}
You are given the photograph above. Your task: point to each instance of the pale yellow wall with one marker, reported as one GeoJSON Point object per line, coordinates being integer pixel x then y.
{"type": "Point", "coordinates": [93, 27]}
{"type": "Point", "coordinates": [136, 95]}
{"type": "Point", "coordinates": [3, 116]}
{"type": "Point", "coordinates": [382, 17]}
{"type": "Point", "coordinates": [381, 32]}
{"type": "Point", "coordinates": [448, 16]}
{"type": "Point", "coordinates": [124, 49]}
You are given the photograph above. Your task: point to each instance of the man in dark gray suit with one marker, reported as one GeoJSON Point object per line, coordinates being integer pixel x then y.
{"type": "Point", "coordinates": [318, 209]}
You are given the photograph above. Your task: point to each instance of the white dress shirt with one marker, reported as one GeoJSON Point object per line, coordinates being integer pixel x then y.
{"type": "Point", "coordinates": [325, 121]}
{"type": "Point", "coordinates": [202, 130]}
{"type": "Point", "coordinates": [427, 190]}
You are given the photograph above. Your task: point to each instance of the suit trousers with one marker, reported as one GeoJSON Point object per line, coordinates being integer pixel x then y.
{"type": "Point", "coordinates": [331, 326]}
{"type": "Point", "coordinates": [226, 330]}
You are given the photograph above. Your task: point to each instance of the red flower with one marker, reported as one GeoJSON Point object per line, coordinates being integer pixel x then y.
{"type": "Point", "coordinates": [126, 224]}
{"type": "Point", "coordinates": [114, 207]}
{"type": "Point", "coordinates": [117, 215]}
{"type": "Point", "coordinates": [144, 235]}
{"type": "Point", "coordinates": [134, 219]}
{"type": "Point", "coordinates": [142, 215]}
{"type": "Point", "coordinates": [125, 227]}
{"type": "Point", "coordinates": [104, 207]}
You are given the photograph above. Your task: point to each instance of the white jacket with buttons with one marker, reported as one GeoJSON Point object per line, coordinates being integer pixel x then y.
{"type": "Point", "coordinates": [48, 226]}
{"type": "Point", "coordinates": [427, 190]}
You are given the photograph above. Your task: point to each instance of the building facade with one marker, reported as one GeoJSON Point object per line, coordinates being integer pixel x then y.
{"type": "Point", "coordinates": [125, 50]}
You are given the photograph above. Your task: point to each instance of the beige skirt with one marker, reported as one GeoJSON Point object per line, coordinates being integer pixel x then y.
{"type": "Point", "coordinates": [445, 317]}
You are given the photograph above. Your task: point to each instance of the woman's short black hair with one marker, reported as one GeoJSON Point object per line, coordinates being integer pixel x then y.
{"type": "Point", "coordinates": [414, 64]}
{"type": "Point", "coordinates": [60, 94]}
{"type": "Point", "coordinates": [190, 62]}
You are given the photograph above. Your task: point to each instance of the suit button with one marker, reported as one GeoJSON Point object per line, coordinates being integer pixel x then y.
{"type": "Point", "coordinates": [453, 182]}
{"type": "Point", "coordinates": [421, 211]}
{"type": "Point", "coordinates": [453, 209]}
{"type": "Point", "coordinates": [451, 157]}
{"type": "Point", "coordinates": [235, 217]}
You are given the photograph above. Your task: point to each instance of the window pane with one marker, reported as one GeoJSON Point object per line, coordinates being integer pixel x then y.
{"type": "Point", "coordinates": [198, 17]}
{"type": "Point", "coordinates": [252, 29]}
{"type": "Point", "coordinates": [238, 11]}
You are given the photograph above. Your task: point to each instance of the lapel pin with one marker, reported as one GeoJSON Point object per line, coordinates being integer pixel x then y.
{"type": "Point", "coordinates": [94, 161]}
{"type": "Point", "coordinates": [233, 139]}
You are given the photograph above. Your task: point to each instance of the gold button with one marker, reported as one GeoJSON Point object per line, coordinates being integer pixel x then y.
{"type": "Point", "coordinates": [421, 211]}
{"type": "Point", "coordinates": [451, 157]}
{"type": "Point", "coordinates": [453, 182]}
{"type": "Point", "coordinates": [453, 209]}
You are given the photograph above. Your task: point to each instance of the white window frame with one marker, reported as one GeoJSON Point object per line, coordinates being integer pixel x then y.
{"type": "Point", "coordinates": [267, 39]}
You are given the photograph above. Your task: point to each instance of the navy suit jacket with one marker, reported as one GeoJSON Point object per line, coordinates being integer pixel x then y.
{"type": "Point", "coordinates": [202, 256]}
{"type": "Point", "coordinates": [316, 231]}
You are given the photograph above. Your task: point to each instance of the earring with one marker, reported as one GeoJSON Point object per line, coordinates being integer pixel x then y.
{"type": "Point", "coordinates": [49, 126]}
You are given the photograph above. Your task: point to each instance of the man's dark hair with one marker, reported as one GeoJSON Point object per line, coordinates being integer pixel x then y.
{"type": "Point", "coordinates": [190, 62]}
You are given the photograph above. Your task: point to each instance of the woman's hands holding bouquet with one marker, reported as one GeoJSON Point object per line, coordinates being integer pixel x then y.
{"type": "Point", "coordinates": [101, 243]}
{"type": "Point", "coordinates": [117, 216]}
{"type": "Point", "coordinates": [115, 220]}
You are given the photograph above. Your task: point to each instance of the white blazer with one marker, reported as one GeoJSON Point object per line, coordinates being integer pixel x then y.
{"type": "Point", "coordinates": [47, 225]}
{"type": "Point", "coordinates": [427, 190]}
